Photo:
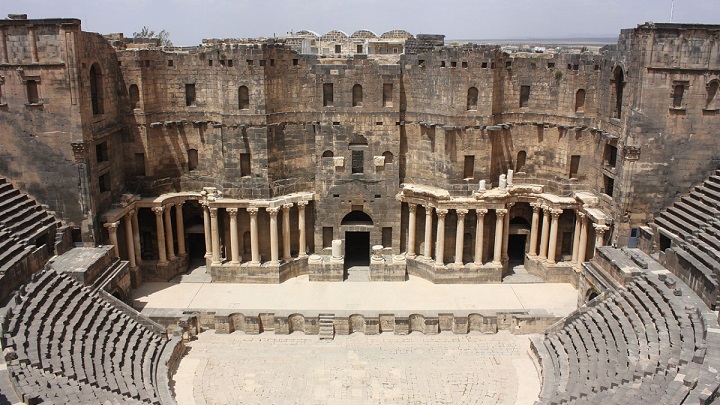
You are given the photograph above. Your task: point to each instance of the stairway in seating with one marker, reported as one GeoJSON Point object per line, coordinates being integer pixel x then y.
{"type": "Point", "coordinates": [327, 326]}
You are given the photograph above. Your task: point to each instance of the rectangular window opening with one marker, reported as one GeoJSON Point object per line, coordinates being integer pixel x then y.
{"type": "Point", "coordinates": [387, 95]}
{"type": "Point", "coordinates": [524, 96]}
{"type": "Point", "coordinates": [469, 167]}
{"type": "Point", "coordinates": [245, 164]}
{"type": "Point", "coordinates": [327, 235]}
{"type": "Point", "coordinates": [32, 92]}
{"type": "Point", "coordinates": [357, 161]}
{"type": "Point", "coordinates": [140, 164]}
{"type": "Point", "coordinates": [387, 236]}
{"type": "Point", "coordinates": [610, 155]}
{"type": "Point", "coordinates": [192, 159]}
{"type": "Point", "coordinates": [327, 94]}
{"type": "Point", "coordinates": [359, 49]}
{"type": "Point", "coordinates": [296, 62]}
{"type": "Point", "coordinates": [104, 182]}
{"type": "Point", "coordinates": [189, 94]}
{"type": "Point", "coordinates": [101, 152]}
{"type": "Point", "coordinates": [338, 48]}
{"type": "Point", "coordinates": [170, 62]}
{"type": "Point", "coordinates": [608, 185]}
{"type": "Point", "coordinates": [574, 166]}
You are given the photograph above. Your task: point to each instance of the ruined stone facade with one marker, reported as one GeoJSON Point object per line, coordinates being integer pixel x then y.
{"type": "Point", "coordinates": [450, 161]}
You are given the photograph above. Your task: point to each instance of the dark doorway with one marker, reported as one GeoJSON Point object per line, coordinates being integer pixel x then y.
{"type": "Point", "coordinates": [357, 249]}
{"type": "Point", "coordinates": [196, 245]}
{"type": "Point", "coordinates": [516, 247]}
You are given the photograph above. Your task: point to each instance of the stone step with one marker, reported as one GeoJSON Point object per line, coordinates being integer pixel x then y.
{"type": "Point", "coordinates": [326, 324]}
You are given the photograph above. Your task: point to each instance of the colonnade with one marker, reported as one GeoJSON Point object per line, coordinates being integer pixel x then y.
{"type": "Point", "coordinates": [544, 226]}
{"type": "Point", "coordinates": [132, 237]}
{"type": "Point", "coordinates": [212, 233]}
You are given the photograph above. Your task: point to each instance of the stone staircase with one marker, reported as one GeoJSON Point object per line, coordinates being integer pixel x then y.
{"type": "Point", "coordinates": [327, 326]}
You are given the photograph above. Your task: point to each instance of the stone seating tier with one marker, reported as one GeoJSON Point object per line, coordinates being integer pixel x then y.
{"type": "Point", "coordinates": [60, 329]}
{"type": "Point", "coordinates": [637, 346]}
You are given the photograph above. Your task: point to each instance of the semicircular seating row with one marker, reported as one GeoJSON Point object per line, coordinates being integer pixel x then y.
{"type": "Point", "coordinates": [66, 344]}
{"type": "Point", "coordinates": [693, 222]}
{"type": "Point", "coordinates": [22, 219]}
{"type": "Point", "coordinates": [639, 345]}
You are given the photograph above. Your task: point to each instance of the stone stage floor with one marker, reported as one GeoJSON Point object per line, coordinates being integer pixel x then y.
{"type": "Point", "coordinates": [357, 369]}
{"type": "Point", "coordinates": [299, 295]}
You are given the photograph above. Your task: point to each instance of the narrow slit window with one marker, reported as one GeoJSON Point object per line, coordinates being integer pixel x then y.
{"type": "Point", "coordinates": [245, 164]}
{"type": "Point", "coordinates": [387, 95]}
{"type": "Point", "coordinates": [32, 92]}
{"type": "Point", "coordinates": [469, 167]}
{"type": "Point", "coordinates": [524, 96]}
{"type": "Point", "coordinates": [357, 96]}
{"type": "Point", "coordinates": [327, 94]}
{"type": "Point", "coordinates": [472, 99]}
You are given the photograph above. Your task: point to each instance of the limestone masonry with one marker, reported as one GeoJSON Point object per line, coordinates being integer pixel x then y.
{"type": "Point", "coordinates": [359, 157]}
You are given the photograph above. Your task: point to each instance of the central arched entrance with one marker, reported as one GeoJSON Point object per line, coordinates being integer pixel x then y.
{"type": "Point", "coordinates": [357, 226]}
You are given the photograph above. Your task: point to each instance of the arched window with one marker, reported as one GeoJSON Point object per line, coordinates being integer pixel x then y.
{"type": "Point", "coordinates": [96, 89]}
{"type": "Point", "coordinates": [388, 157]}
{"type": "Point", "coordinates": [134, 96]}
{"type": "Point", "coordinates": [243, 98]}
{"type": "Point", "coordinates": [357, 96]}
{"type": "Point", "coordinates": [580, 100]}
{"type": "Point", "coordinates": [472, 99]}
{"type": "Point", "coordinates": [520, 162]}
{"type": "Point", "coordinates": [327, 154]}
{"type": "Point", "coordinates": [712, 95]}
{"type": "Point", "coordinates": [619, 81]}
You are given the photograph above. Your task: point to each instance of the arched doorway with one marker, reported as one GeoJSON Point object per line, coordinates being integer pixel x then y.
{"type": "Point", "coordinates": [357, 225]}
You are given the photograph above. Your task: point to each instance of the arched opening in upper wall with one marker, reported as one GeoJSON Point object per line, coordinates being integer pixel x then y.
{"type": "Point", "coordinates": [96, 89]}
{"type": "Point", "coordinates": [472, 99]}
{"type": "Point", "coordinates": [619, 84]}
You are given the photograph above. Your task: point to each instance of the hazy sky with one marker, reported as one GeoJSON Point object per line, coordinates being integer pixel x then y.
{"type": "Point", "coordinates": [188, 21]}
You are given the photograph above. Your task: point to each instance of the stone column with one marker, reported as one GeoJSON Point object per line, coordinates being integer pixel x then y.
{"type": "Point", "coordinates": [534, 229]}
{"type": "Point", "coordinates": [582, 249]}
{"type": "Point", "coordinates": [460, 236]}
{"type": "Point", "coordinates": [129, 242]}
{"type": "Point", "coordinates": [499, 222]}
{"type": "Point", "coordinates": [254, 248]}
{"type": "Point", "coordinates": [479, 235]}
{"type": "Point", "coordinates": [180, 228]}
{"type": "Point", "coordinates": [553, 235]}
{"type": "Point", "coordinates": [234, 238]}
{"type": "Point", "coordinates": [169, 233]}
{"type": "Point", "coordinates": [136, 236]}
{"type": "Point", "coordinates": [208, 232]}
{"type": "Point", "coordinates": [412, 208]}
{"type": "Point", "coordinates": [600, 234]}
{"type": "Point", "coordinates": [428, 231]}
{"type": "Point", "coordinates": [440, 241]}
{"type": "Point", "coordinates": [160, 229]}
{"type": "Point", "coordinates": [301, 225]}
{"type": "Point", "coordinates": [506, 232]}
{"type": "Point", "coordinates": [576, 237]}
{"type": "Point", "coordinates": [273, 234]}
{"type": "Point", "coordinates": [112, 233]}
{"type": "Point", "coordinates": [545, 233]}
{"type": "Point", "coordinates": [286, 231]}
{"type": "Point", "coordinates": [215, 235]}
